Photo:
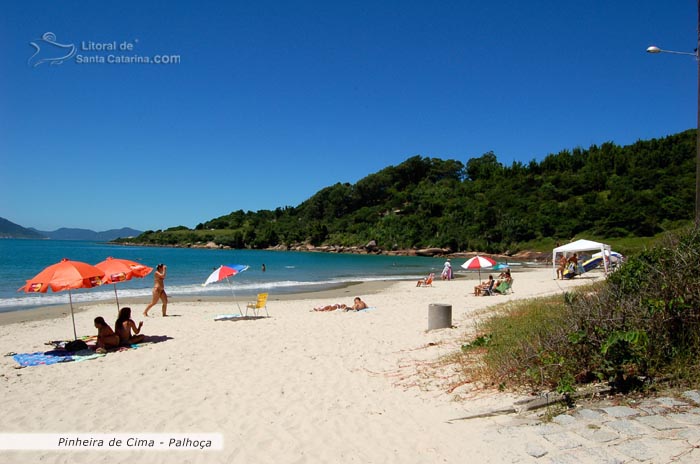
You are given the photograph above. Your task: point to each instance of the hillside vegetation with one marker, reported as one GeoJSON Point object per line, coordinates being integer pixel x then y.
{"type": "Point", "coordinates": [606, 191]}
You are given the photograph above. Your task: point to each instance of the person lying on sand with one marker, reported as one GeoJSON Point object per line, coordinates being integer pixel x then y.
{"type": "Point", "coordinates": [357, 305]}
{"type": "Point", "coordinates": [331, 307]}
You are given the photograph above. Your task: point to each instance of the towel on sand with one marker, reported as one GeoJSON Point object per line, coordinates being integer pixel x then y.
{"type": "Point", "coordinates": [53, 357]}
{"type": "Point", "coordinates": [47, 358]}
{"type": "Point", "coordinates": [369, 308]}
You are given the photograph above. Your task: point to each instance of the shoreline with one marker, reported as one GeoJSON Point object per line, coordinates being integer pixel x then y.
{"type": "Point", "coordinates": [339, 291]}
{"type": "Point", "coordinates": [41, 313]}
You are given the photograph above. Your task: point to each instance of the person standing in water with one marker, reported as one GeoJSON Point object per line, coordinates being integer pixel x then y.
{"type": "Point", "coordinates": [159, 290]}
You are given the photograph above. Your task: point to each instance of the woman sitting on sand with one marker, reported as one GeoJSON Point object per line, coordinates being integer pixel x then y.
{"type": "Point", "coordinates": [106, 338]}
{"type": "Point", "coordinates": [125, 325]}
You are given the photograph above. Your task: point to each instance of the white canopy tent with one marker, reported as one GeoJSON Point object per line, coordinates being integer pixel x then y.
{"type": "Point", "coordinates": [577, 246]}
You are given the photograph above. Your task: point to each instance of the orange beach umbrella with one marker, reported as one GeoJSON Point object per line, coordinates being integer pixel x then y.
{"type": "Point", "coordinates": [119, 270]}
{"type": "Point", "coordinates": [65, 275]}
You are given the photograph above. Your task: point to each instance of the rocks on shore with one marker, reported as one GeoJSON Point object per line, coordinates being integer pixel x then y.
{"type": "Point", "coordinates": [372, 248]}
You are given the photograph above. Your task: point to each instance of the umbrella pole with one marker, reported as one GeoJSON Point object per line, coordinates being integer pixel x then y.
{"type": "Point", "coordinates": [117, 298]}
{"type": "Point", "coordinates": [70, 299]}
{"type": "Point", "coordinates": [234, 295]}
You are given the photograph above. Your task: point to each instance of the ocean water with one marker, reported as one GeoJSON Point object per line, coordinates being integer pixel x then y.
{"type": "Point", "coordinates": [286, 272]}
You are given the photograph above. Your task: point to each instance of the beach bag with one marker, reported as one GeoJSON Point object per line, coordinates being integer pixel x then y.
{"type": "Point", "coordinates": [76, 345]}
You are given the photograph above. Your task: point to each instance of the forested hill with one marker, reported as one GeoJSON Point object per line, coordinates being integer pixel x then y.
{"type": "Point", "coordinates": [605, 191]}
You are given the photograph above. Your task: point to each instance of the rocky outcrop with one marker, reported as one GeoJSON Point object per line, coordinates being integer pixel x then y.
{"type": "Point", "coordinates": [209, 246]}
{"type": "Point", "coordinates": [532, 256]}
{"type": "Point", "coordinates": [433, 252]}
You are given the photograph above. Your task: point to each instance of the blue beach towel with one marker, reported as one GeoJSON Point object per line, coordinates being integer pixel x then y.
{"type": "Point", "coordinates": [60, 356]}
{"type": "Point", "coordinates": [38, 359]}
{"type": "Point", "coordinates": [53, 357]}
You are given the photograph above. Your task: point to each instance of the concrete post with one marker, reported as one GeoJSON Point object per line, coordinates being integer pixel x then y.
{"type": "Point", "coordinates": [439, 316]}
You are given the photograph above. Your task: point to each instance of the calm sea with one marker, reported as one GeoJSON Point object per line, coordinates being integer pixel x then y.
{"type": "Point", "coordinates": [286, 272]}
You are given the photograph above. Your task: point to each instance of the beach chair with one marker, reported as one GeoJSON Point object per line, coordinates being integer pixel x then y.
{"type": "Point", "coordinates": [427, 282]}
{"type": "Point", "coordinates": [489, 290]}
{"type": "Point", "coordinates": [257, 305]}
{"type": "Point", "coordinates": [504, 287]}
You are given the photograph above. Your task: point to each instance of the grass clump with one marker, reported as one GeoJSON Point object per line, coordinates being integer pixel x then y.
{"type": "Point", "coordinates": [641, 325]}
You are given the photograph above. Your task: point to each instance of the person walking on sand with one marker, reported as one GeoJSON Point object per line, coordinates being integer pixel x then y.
{"type": "Point", "coordinates": [159, 290]}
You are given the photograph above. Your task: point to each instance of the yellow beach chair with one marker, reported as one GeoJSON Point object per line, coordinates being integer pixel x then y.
{"type": "Point", "coordinates": [257, 305]}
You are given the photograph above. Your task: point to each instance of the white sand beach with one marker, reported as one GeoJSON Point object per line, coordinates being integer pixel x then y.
{"type": "Point", "coordinates": [297, 387]}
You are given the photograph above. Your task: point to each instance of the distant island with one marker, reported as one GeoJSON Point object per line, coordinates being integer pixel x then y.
{"type": "Point", "coordinates": [9, 229]}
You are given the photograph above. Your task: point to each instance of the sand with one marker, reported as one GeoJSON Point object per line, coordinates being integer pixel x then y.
{"type": "Point", "coordinates": [297, 387]}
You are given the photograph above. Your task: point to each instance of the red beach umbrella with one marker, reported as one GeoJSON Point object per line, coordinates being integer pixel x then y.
{"type": "Point", "coordinates": [65, 275]}
{"type": "Point", "coordinates": [119, 270]}
{"type": "Point", "coordinates": [479, 262]}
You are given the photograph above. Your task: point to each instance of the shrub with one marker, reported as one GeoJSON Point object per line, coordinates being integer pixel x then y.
{"type": "Point", "coordinates": [642, 323]}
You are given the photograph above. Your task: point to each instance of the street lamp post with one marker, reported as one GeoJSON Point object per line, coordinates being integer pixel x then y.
{"type": "Point", "coordinates": [654, 49]}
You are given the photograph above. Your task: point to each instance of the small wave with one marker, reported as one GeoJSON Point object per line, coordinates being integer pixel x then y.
{"type": "Point", "coordinates": [240, 289]}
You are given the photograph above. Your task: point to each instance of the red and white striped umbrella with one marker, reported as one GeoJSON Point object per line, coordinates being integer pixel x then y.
{"type": "Point", "coordinates": [224, 272]}
{"type": "Point", "coordinates": [479, 262]}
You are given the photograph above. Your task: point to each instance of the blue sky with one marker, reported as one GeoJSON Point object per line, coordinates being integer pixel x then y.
{"type": "Point", "coordinates": [273, 100]}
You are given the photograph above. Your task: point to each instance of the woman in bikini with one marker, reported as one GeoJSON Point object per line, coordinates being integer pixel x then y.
{"type": "Point", "coordinates": [106, 338]}
{"type": "Point", "coordinates": [124, 327]}
{"type": "Point", "coordinates": [159, 290]}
